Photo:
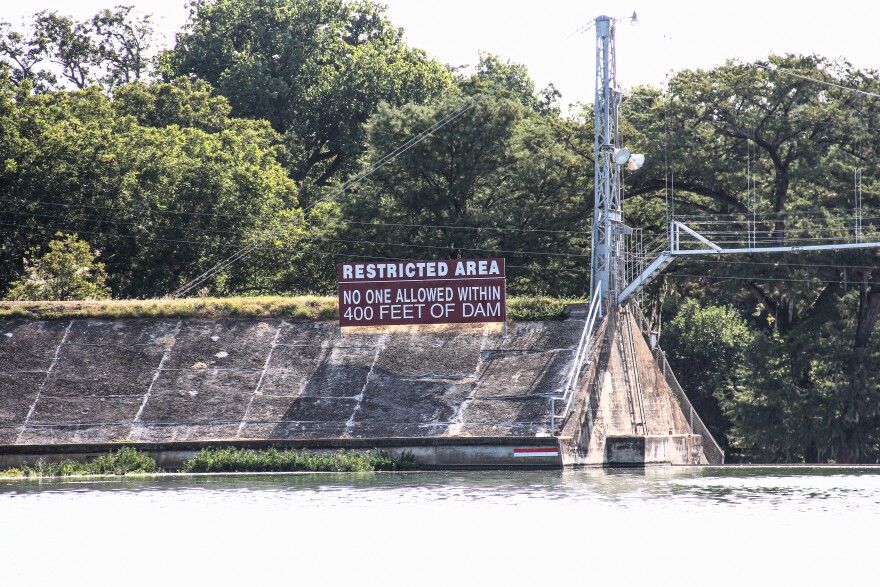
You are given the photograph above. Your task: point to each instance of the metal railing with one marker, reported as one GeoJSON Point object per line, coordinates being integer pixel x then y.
{"type": "Point", "coordinates": [581, 358]}
{"type": "Point", "coordinates": [628, 359]}
{"type": "Point", "coordinates": [713, 453]}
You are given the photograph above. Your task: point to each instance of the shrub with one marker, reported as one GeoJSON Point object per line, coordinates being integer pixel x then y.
{"type": "Point", "coordinates": [240, 460]}
{"type": "Point", "coordinates": [125, 460]}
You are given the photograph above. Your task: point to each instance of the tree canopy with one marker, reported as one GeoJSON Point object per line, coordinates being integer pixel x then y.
{"type": "Point", "coordinates": [67, 271]}
{"type": "Point", "coordinates": [315, 69]}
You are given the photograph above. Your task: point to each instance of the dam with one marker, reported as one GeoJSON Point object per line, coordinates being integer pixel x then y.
{"type": "Point", "coordinates": [453, 395]}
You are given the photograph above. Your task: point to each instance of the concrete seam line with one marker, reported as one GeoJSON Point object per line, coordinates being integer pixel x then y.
{"type": "Point", "coordinates": [158, 372]}
{"type": "Point", "coordinates": [45, 382]}
{"type": "Point", "coordinates": [247, 410]}
{"type": "Point", "coordinates": [455, 420]}
{"type": "Point", "coordinates": [349, 424]}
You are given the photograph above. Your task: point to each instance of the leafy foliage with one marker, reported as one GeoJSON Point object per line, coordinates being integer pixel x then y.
{"type": "Point", "coordinates": [223, 460]}
{"type": "Point", "coordinates": [315, 69]}
{"type": "Point", "coordinates": [161, 201]}
{"type": "Point", "coordinates": [125, 460]}
{"type": "Point", "coordinates": [501, 181]}
{"type": "Point", "coordinates": [68, 271]}
{"type": "Point", "coordinates": [111, 48]}
{"type": "Point", "coordinates": [706, 347]}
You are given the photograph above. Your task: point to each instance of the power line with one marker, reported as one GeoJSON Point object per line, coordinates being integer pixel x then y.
{"type": "Point", "coordinates": [460, 227]}
{"type": "Point", "coordinates": [121, 208]}
{"type": "Point", "coordinates": [379, 164]}
{"type": "Point", "coordinates": [314, 239]}
{"type": "Point", "coordinates": [810, 79]}
{"type": "Point", "coordinates": [279, 249]}
{"type": "Point", "coordinates": [242, 216]}
{"type": "Point", "coordinates": [121, 222]}
{"type": "Point", "coordinates": [779, 279]}
{"type": "Point", "coordinates": [772, 264]}
{"type": "Point", "coordinates": [409, 245]}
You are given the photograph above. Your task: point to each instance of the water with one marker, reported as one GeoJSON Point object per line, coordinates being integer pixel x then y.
{"type": "Point", "coordinates": [665, 526]}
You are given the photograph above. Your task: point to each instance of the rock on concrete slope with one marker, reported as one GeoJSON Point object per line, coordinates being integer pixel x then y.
{"type": "Point", "coordinates": [89, 381]}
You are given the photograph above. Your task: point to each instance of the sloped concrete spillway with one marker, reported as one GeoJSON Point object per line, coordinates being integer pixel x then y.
{"type": "Point", "coordinates": [88, 382]}
{"type": "Point", "coordinates": [627, 413]}
{"type": "Point", "coordinates": [456, 396]}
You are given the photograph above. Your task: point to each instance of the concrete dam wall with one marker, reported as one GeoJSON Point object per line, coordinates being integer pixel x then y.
{"type": "Point", "coordinates": [454, 396]}
{"type": "Point", "coordinates": [97, 381]}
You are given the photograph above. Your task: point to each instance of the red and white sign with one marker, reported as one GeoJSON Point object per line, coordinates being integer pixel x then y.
{"type": "Point", "coordinates": [422, 292]}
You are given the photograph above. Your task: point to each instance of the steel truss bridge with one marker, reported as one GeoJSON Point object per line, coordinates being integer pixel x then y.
{"type": "Point", "coordinates": [694, 236]}
{"type": "Point", "coordinates": [625, 260]}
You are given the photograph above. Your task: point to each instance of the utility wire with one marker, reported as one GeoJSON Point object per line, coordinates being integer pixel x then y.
{"type": "Point", "coordinates": [818, 81]}
{"type": "Point", "coordinates": [777, 279]}
{"type": "Point", "coordinates": [707, 259]}
{"type": "Point", "coordinates": [122, 208]}
{"type": "Point", "coordinates": [120, 222]}
{"type": "Point", "coordinates": [460, 227]}
{"type": "Point", "coordinates": [232, 259]}
{"type": "Point", "coordinates": [280, 249]}
{"type": "Point", "coordinates": [314, 239]}
{"type": "Point", "coordinates": [510, 229]}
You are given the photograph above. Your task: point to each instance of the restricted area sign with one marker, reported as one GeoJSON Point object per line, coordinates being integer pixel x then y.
{"type": "Point", "coordinates": [422, 292]}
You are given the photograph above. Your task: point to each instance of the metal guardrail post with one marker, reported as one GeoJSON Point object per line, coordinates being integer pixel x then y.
{"type": "Point", "coordinates": [710, 447]}
{"type": "Point", "coordinates": [581, 358]}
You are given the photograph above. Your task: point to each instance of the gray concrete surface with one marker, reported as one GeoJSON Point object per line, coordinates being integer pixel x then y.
{"type": "Point", "coordinates": [99, 381]}
{"type": "Point", "coordinates": [605, 408]}
{"type": "Point", "coordinates": [455, 396]}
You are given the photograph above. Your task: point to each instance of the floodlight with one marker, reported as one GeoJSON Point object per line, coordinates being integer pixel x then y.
{"type": "Point", "coordinates": [636, 161]}
{"type": "Point", "coordinates": [621, 156]}
{"type": "Point", "coordinates": [634, 19]}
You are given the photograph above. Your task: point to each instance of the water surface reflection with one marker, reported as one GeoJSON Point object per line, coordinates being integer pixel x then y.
{"type": "Point", "coordinates": [618, 526]}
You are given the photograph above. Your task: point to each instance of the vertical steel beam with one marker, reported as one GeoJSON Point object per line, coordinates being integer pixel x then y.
{"type": "Point", "coordinates": [607, 238]}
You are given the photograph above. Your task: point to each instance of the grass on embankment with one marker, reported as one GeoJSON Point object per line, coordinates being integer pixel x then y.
{"type": "Point", "coordinates": [222, 460]}
{"type": "Point", "coordinates": [125, 460]}
{"type": "Point", "coordinates": [294, 308]}
{"type": "Point", "coordinates": [240, 460]}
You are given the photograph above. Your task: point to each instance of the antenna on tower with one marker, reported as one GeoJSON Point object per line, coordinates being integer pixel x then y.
{"type": "Point", "coordinates": [609, 156]}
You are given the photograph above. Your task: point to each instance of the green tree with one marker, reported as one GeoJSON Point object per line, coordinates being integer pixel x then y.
{"type": "Point", "coordinates": [500, 180]}
{"type": "Point", "coordinates": [746, 138]}
{"type": "Point", "coordinates": [23, 53]}
{"type": "Point", "coordinates": [162, 203]}
{"type": "Point", "coordinates": [110, 48]}
{"type": "Point", "coordinates": [315, 69]}
{"type": "Point", "coordinates": [123, 44]}
{"type": "Point", "coordinates": [705, 347]}
{"type": "Point", "coordinates": [507, 75]}
{"type": "Point", "coordinates": [181, 102]}
{"type": "Point", "coordinates": [67, 271]}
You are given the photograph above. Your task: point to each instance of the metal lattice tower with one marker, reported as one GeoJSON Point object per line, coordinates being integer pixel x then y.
{"type": "Point", "coordinates": [609, 267]}
{"type": "Point", "coordinates": [607, 245]}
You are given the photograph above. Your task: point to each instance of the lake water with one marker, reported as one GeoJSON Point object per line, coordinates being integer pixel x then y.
{"type": "Point", "coordinates": [663, 526]}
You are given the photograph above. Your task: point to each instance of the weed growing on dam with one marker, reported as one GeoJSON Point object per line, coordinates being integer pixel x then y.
{"type": "Point", "coordinates": [125, 460]}
{"type": "Point", "coordinates": [223, 460]}
{"type": "Point", "coordinates": [300, 308]}
{"type": "Point", "coordinates": [238, 460]}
